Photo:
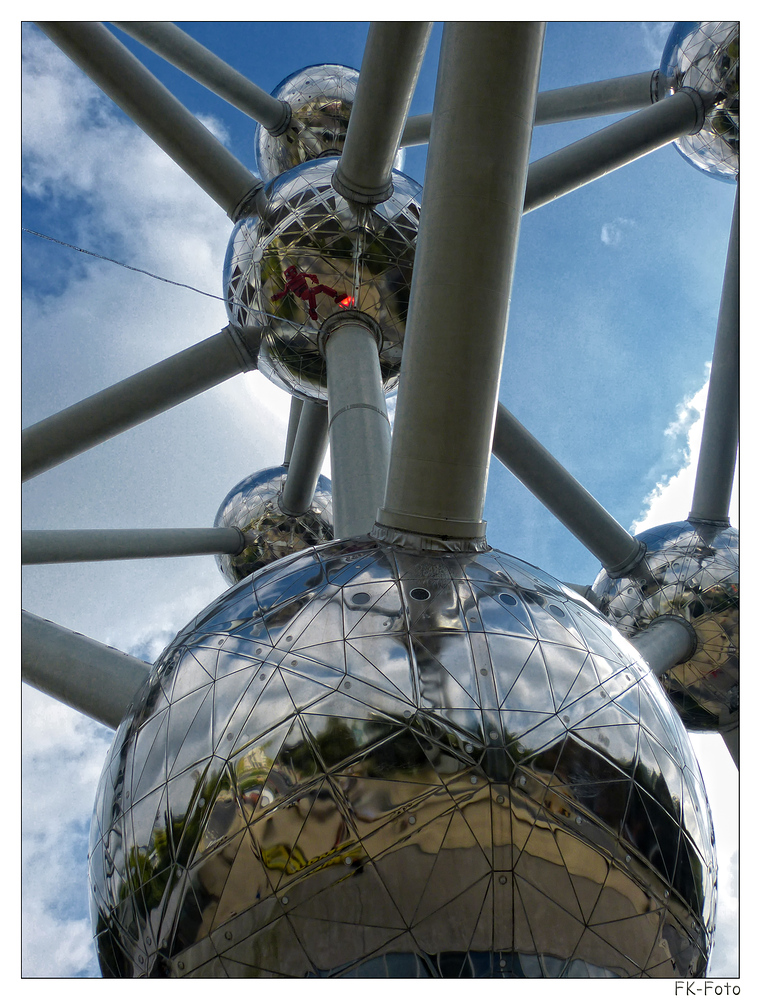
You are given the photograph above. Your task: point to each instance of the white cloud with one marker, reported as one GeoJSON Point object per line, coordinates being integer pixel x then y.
{"type": "Point", "coordinates": [654, 37]}
{"type": "Point", "coordinates": [612, 233]}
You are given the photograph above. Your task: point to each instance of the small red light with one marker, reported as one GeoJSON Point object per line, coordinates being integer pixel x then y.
{"type": "Point", "coordinates": [347, 302]}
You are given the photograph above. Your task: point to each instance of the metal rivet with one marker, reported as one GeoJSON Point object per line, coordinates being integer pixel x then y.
{"type": "Point", "coordinates": [411, 820]}
{"type": "Point", "coordinates": [503, 879]}
{"type": "Point", "coordinates": [228, 936]}
{"type": "Point", "coordinates": [500, 799]}
{"type": "Point", "coordinates": [180, 965]}
{"type": "Point", "coordinates": [347, 684]}
{"type": "Point", "coordinates": [148, 941]}
{"type": "Point", "coordinates": [522, 781]}
{"type": "Point", "coordinates": [262, 677]}
{"type": "Point", "coordinates": [473, 779]}
{"type": "Point", "coordinates": [578, 820]}
{"type": "Point", "coordinates": [229, 736]}
{"type": "Point", "coordinates": [285, 899]}
{"type": "Point", "coordinates": [288, 638]}
{"type": "Point", "coordinates": [347, 861]}
{"type": "Point", "coordinates": [294, 663]}
{"type": "Point", "coordinates": [494, 735]}
{"type": "Point", "coordinates": [468, 748]}
{"type": "Point", "coordinates": [484, 671]}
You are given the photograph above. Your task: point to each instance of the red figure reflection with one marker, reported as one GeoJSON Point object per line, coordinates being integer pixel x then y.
{"type": "Point", "coordinates": [296, 282]}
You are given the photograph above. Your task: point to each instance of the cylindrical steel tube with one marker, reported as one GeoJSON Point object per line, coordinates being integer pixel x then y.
{"type": "Point", "coordinates": [718, 445]}
{"type": "Point", "coordinates": [564, 496]}
{"type": "Point", "coordinates": [306, 459]}
{"type": "Point", "coordinates": [293, 425]}
{"type": "Point", "coordinates": [157, 112]}
{"type": "Point", "coordinates": [470, 219]}
{"type": "Point", "coordinates": [177, 47]}
{"type": "Point", "coordinates": [86, 675]}
{"type": "Point", "coordinates": [133, 400]}
{"type": "Point", "coordinates": [390, 67]}
{"type": "Point", "coordinates": [666, 641]}
{"type": "Point", "coordinates": [93, 545]}
{"type": "Point", "coordinates": [360, 433]}
{"type": "Point", "coordinates": [602, 152]}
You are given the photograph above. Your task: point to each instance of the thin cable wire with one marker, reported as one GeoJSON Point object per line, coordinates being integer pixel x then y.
{"type": "Point", "coordinates": [121, 264]}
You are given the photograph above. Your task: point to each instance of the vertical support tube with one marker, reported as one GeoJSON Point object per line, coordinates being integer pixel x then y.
{"type": "Point", "coordinates": [732, 743]}
{"type": "Point", "coordinates": [293, 426]}
{"type": "Point", "coordinates": [718, 446]}
{"type": "Point", "coordinates": [359, 429]}
{"type": "Point", "coordinates": [89, 676]}
{"type": "Point", "coordinates": [470, 219]}
{"type": "Point", "coordinates": [306, 460]}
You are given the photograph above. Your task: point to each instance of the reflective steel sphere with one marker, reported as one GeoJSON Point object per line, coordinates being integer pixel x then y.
{"type": "Point", "coordinates": [311, 254]}
{"type": "Point", "coordinates": [367, 761]}
{"type": "Point", "coordinates": [705, 56]}
{"type": "Point", "coordinates": [321, 99]}
{"type": "Point", "coordinates": [254, 507]}
{"type": "Point", "coordinates": [689, 570]}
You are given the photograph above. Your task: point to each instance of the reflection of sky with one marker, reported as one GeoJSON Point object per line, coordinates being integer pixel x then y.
{"type": "Point", "coordinates": [611, 325]}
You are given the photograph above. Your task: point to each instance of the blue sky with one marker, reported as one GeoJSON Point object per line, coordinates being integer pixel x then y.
{"type": "Point", "coordinates": [611, 328]}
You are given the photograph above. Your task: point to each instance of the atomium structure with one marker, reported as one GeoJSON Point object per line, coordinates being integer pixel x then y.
{"type": "Point", "coordinates": [391, 750]}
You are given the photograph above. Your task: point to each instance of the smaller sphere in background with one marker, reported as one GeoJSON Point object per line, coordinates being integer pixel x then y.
{"type": "Point", "coordinates": [321, 99]}
{"type": "Point", "coordinates": [253, 506]}
{"type": "Point", "coordinates": [705, 56]}
{"type": "Point", "coordinates": [690, 570]}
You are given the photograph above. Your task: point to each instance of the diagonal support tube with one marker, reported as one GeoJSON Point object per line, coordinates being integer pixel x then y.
{"type": "Point", "coordinates": [666, 641]}
{"type": "Point", "coordinates": [293, 425]}
{"type": "Point", "coordinates": [470, 219]}
{"type": "Point", "coordinates": [718, 446]}
{"type": "Point", "coordinates": [306, 460]}
{"type": "Point", "coordinates": [390, 67]}
{"type": "Point", "coordinates": [89, 676]}
{"type": "Point", "coordinates": [156, 111]}
{"type": "Point", "coordinates": [587, 100]}
{"type": "Point", "coordinates": [620, 143]}
{"type": "Point", "coordinates": [528, 460]}
{"type": "Point", "coordinates": [197, 62]}
{"type": "Point", "coordinates": [137, 398]}
{"type": "Point", "coordinates": [94, 545]}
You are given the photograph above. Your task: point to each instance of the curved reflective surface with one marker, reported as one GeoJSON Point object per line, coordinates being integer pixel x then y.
{"type": "Point", "coordinates": [365, 761]}
{"type": "Point", "coordinates": [705, 56]}
{"type": "Point", "coordinates": [311, 254]}
{"type": "Point", "coordinates": [254, 507]}
{"type": "Point", "coordinates": [691, 570]}
{"type": "Point", "coordinates": [321, 99]}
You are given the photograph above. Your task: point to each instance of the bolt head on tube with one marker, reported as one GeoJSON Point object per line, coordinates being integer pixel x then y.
{"type": "Point", "coordinates": [704, 56]}
{"type": "Point", "coordinates": [310, 254]}
{"type": "Point", "coordinates": [253, 507]}
{"type": "Point", "coordinates": [689, 570]}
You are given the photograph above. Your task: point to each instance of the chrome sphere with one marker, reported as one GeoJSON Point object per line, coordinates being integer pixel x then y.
{"type": "Point", "coordinates": [367, 761]}
{"type": "Point", "coordinates": [254, 507]}
{"type": "Point", "coordinates": [689, 570]}
{"type": "Point", "coordinates": [321, 99]}
{"type": "Point", "coordinates": [705, 56]}
{"type": "Point", "coordinates": [309, 255]}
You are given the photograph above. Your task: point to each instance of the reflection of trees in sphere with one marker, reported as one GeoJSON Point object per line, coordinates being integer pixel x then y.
{"type": "Point", "coordinates": [705, 56]}
{"type": "Point", "coordinates": [690, 570]}
{"type": "Point", "coordinates": [321, 99]}
{"type": "Point", "coordinates": [367, 761]}
{"type": "Point", "coordinates": [364, 255]}
{"type": "Point", "coordinates": [254, 507]}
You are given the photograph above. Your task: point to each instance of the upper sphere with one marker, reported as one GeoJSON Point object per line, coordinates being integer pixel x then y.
{"type": "Point", "coordinates": [312, 253]}
{"type": "Point", "coordinates": [253, 506]}
{"type": "Point", "coordinates": [321, 99]}
{"type": "Point", "coordinates": [690, 570]}
{"type": "Point", "coordinates": [369, 761]}
{"type": "Point", "coordinates": [705, 56]}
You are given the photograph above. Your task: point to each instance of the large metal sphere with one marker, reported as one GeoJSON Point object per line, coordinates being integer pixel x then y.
{"type": "Point", "coordinates": [705, 56]}
{"type": "Point", "coordinates": [362, 256]}
{"type": "Point", "coordinates": [368, 761]}
{"type": "Point", "coordinates": [321, 99]}
{"type": "Point", "coordinates": [689, 570]}
{"type": "Point", "coordinates": [254, 507]}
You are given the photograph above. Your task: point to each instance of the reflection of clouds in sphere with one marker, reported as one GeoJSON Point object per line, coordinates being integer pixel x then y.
{"type": "Point", "coordinates": [367, 761]}
{"type": "Point", "coordinates": [690, 570]}
{"type": "Point", "coordinates": [321, 99]}
{"type": "Point", "coordinates": [254, 507]}
{"type": "Point", "coordinates": [338, 255]}
{"type": "Point", "coordinates": [705, 56]}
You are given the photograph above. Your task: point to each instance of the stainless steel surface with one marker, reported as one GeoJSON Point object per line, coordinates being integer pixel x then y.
{"type": "Point", "coordinates": [474, 189]}
{"type": "Point", "coordinates": [253, 507]}
{"type": "Point", "coordinates": [390, 66]}
{"type": "Point", "coordinates": [321, 99]}
{"type": "Point", "coordinates": [365, 761]}
{"type": "Point", "coordinates": [689, 570]}
{"type": "Point", "coordinates": [306, 458]}
{"type": "Point", "coordinates": [309, 255]}
{"type": "Point", "coordinates": [155, 110]}
{"type": "Point", "coordinates": [92, 544]}
{"type": "Point", "coordinates": [705, 56]}
{"type": "Point", "coordinates": [87, 675]}
{"type": "Point", "coordinates": [135, 399]}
